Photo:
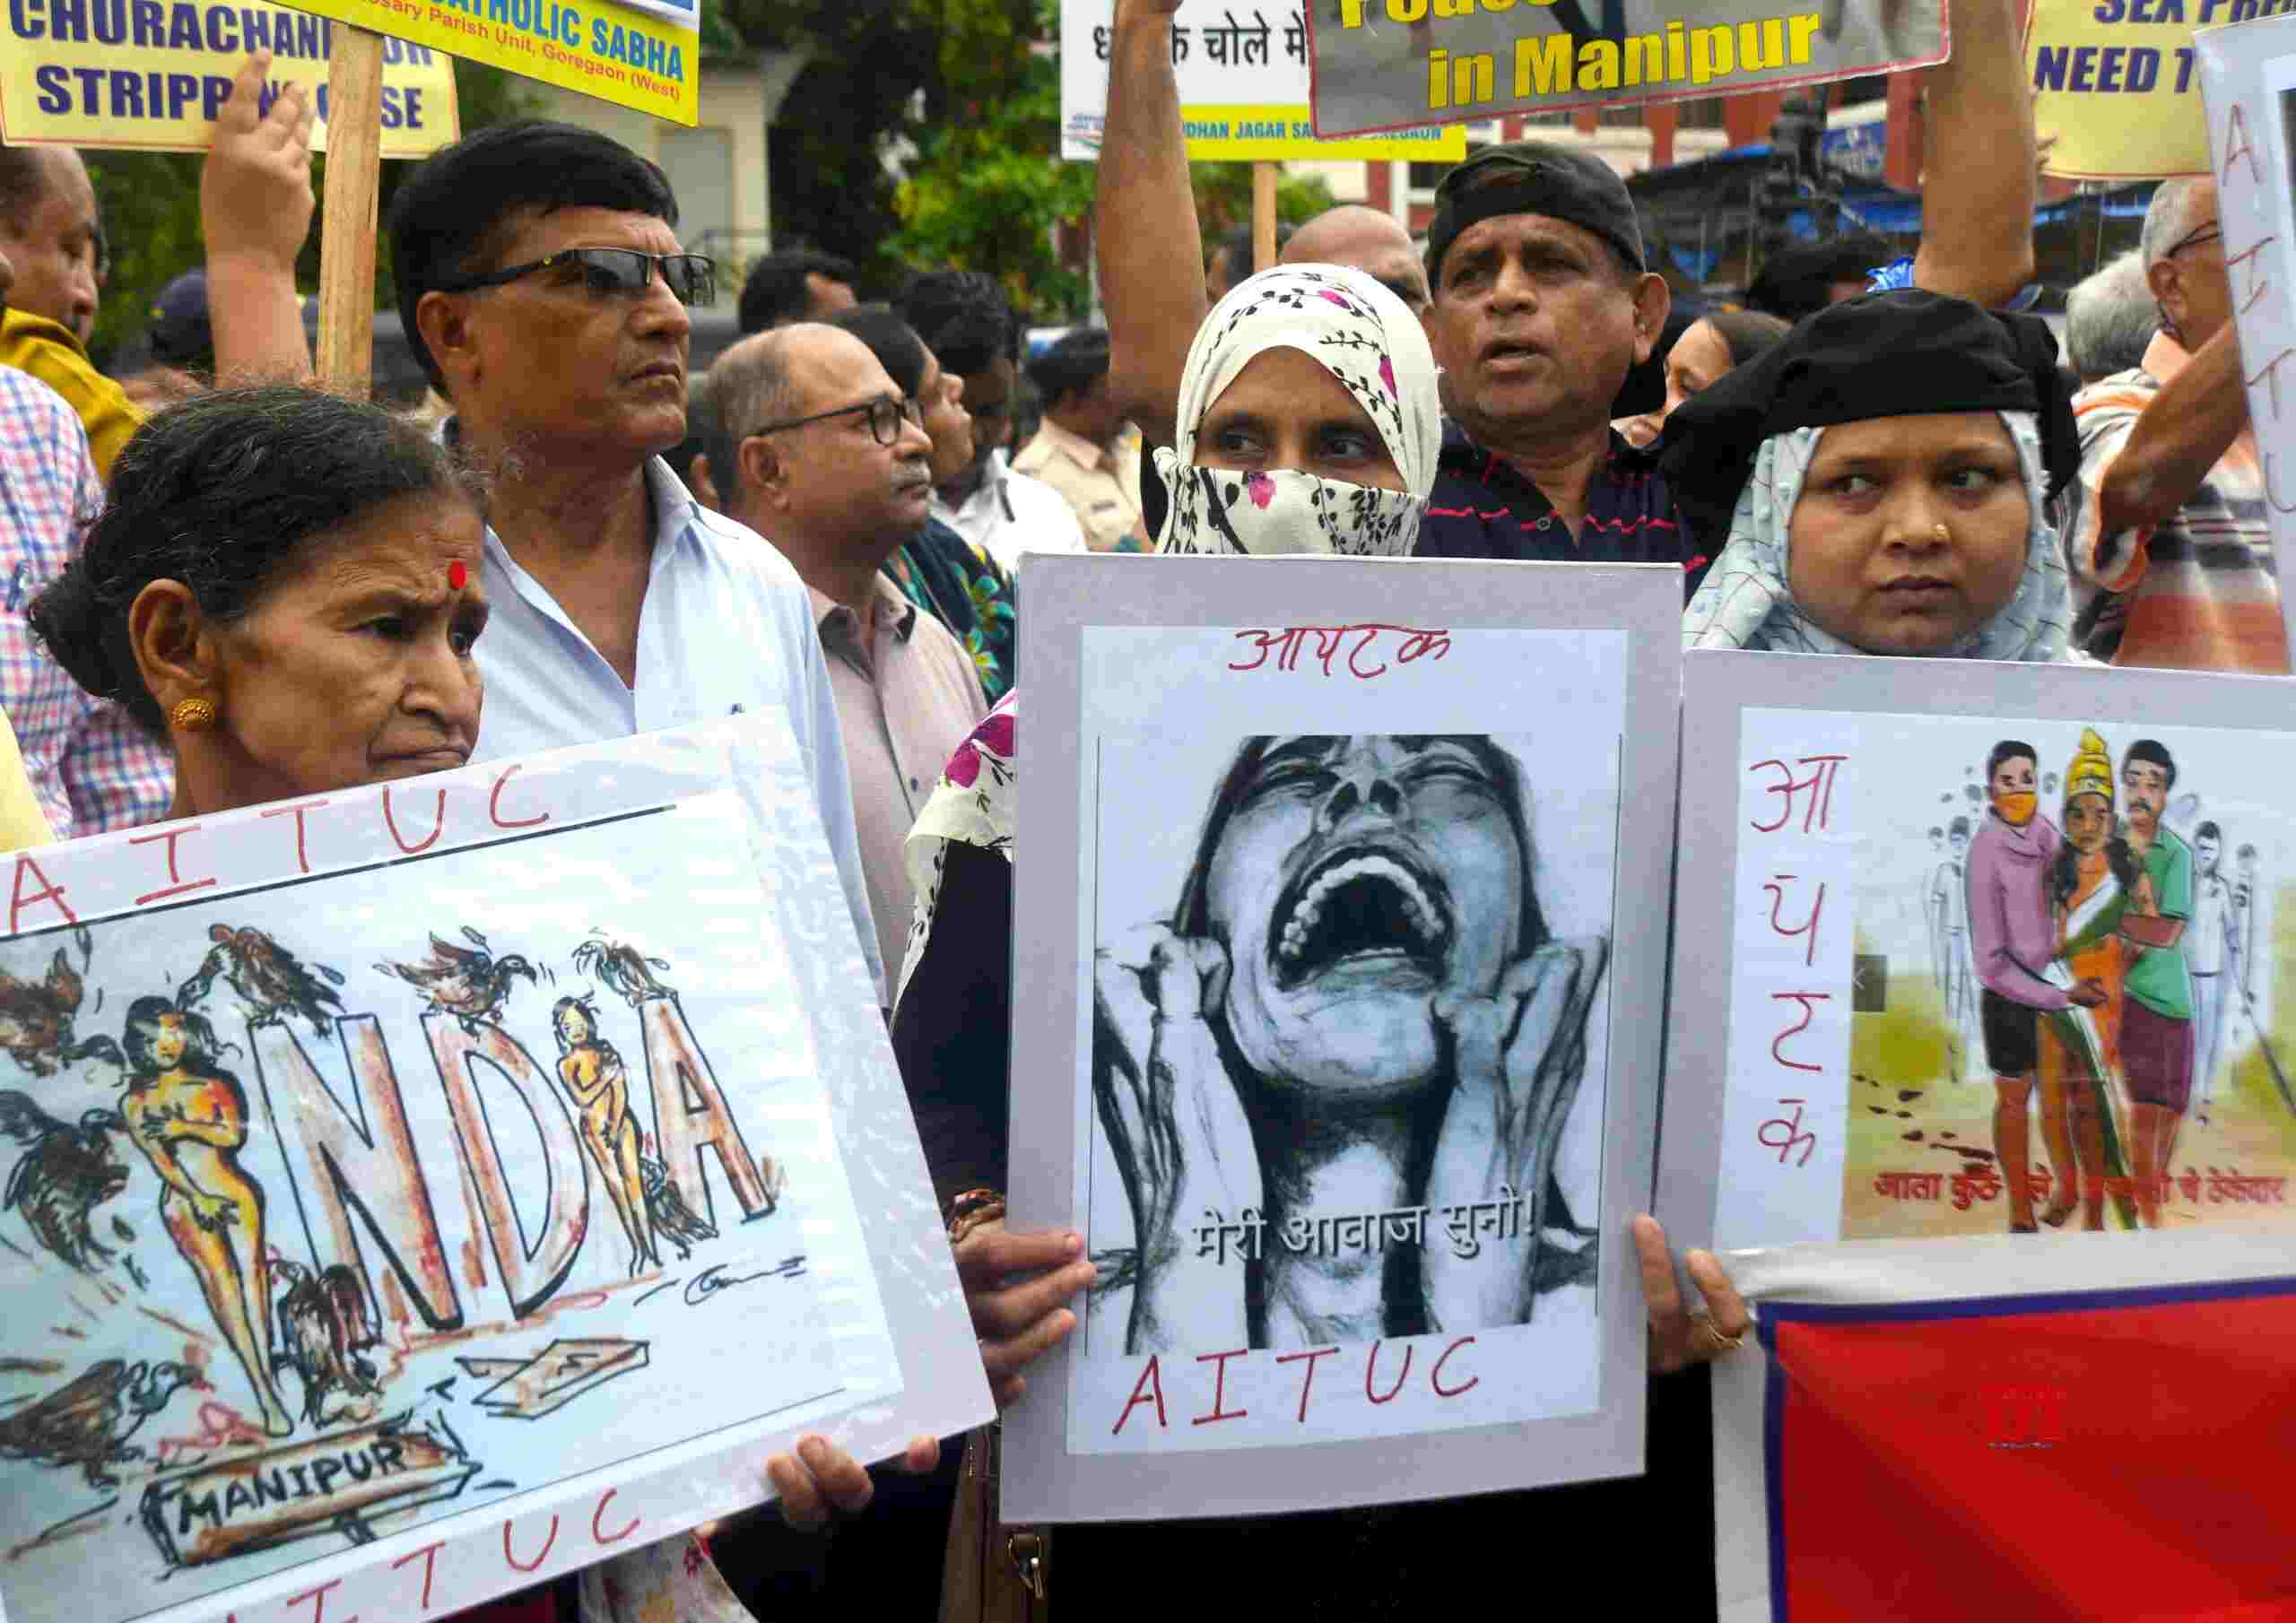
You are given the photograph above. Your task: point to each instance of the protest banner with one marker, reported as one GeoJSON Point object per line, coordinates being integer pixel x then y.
{"type": "Point", "coordinates": [2114, 82]}
{"type": "Point", "coordinates": [648, 58]}
{"type": "Point", "coordinates": [1342, 910]}
{"type": "Point", "coordinates": [76, 74]}
{"type": "Point", "coordinates": [2248, 81]}
{"type": "Point", "coordinates": [417, 1192]}
{"type": "Point", "coordinates": [1908, 996]}
{"type": "Point", "coordinates": [1382, 64]}
{"type": "Point", "coordinates": [1242, 70]}
{"type": "Point", "coordinates": [2036, 1428]}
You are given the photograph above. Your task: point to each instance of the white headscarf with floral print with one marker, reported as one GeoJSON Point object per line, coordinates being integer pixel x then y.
{"type": "Point", "coordinates": [1370, 341]}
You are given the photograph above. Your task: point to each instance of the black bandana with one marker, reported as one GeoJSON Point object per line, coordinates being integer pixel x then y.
{"type": "Point", "coordinates": [1903, 353]}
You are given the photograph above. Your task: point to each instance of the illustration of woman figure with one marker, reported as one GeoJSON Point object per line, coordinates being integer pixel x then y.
{"type": "Point", "coordinates": [189, 1118]}
{"type": "Point", "coordinates": [1355, 1009]}
{"type": "Point", "coordinates": [593, 1076]}
{"type": "Point", "coordinates": [2094, 879]}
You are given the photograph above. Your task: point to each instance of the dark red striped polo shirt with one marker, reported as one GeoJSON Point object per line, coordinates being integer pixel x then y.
{"type": "Point", "coordinates": [1481, 508]}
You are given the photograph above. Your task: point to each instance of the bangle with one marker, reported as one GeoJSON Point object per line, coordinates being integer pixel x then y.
{"type": "Point", "coordinates": [970, 1210]}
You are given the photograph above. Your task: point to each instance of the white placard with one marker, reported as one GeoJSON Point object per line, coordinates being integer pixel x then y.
{"type": "Point", "coordinates": [1350, 1253]}
{"type": "Point", "coordinates": [419, 1192]}
{"type": "Point", "coordinates": [1843, 1082]}
{"type": "Point", "coordinates": [2247, 85]}
{"type": "Point", "coordinates": [1240, 67]}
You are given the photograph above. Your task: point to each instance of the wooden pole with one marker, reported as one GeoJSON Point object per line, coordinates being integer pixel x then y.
{"type": "Point", "coordinates": [354, 167]}
{"type": "Point", "coordinates": [1263, 214]}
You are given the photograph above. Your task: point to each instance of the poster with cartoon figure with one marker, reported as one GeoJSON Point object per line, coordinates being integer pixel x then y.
{"type": "Point", "coordinates": [2072, 1021]}
{"type": "Point", "coordinates": [407, 1194]}
{"type": "Point", "coordinates": [1344, 963]}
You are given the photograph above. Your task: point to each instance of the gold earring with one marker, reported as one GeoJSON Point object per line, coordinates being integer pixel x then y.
{"type": "Point", "coordinates": [192, 715]}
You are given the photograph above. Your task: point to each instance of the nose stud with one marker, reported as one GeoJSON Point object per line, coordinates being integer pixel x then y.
{"type": "Point", "coordinates": [1940, 533]}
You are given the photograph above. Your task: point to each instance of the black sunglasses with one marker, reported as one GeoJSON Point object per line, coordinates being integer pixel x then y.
{"type": "Point", "coordinates": [885, 416]}
{"type": "Point", "coordinates": [608, 273]}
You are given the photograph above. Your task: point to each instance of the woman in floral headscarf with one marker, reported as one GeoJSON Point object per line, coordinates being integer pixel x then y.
{"type": "Point", "coordinates": [1308, 424]}
{"type": "Point", "coordinates": [1308, 420]}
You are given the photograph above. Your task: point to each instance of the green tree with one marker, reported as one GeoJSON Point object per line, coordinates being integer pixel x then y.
{"type": "Point", "coordinates": [967, 95]}
{"type": "Point", "coordinates": [988, 189]}
{"type": "Point", "coordinates": [150, 207]}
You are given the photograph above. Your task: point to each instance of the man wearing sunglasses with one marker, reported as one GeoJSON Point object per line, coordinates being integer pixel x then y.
{"type": "Point", "coordinates": [832, 461]}
{"type": "Point", "coordinates": [2166, 531]}
{"type": "Point", "coordinates": [963, 317]}
{"type": "Point", "coordinates": [544, 292]}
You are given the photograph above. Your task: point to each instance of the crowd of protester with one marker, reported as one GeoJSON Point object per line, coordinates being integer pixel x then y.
{"type": "Point", "coordinates": [580, 541]}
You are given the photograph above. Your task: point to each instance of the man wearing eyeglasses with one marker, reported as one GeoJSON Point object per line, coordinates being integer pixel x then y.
{"type": "Point", "coordinates": [255, 204]}
{"type": "Point", "coordinates": [833, 463]}
{"type": "Point", "coordinates": [544, 292]}
{"type": "Point", "coordinates": [2166, 531]}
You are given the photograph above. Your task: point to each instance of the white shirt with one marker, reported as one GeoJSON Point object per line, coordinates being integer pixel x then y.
{"type": "Point", "coordinates": [1010, 514]}
{"type": "Point", "coordinates": [726, 626]}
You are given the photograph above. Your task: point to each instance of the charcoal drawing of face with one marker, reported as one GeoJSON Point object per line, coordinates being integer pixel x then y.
{"type": "Point", "coordinates": [1354, 879]}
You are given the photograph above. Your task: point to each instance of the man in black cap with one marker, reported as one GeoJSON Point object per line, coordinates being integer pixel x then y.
{"type": "Point", "coordinates": [1542, 303]}
{"type": "Point", "coordinates": [1542, 300]}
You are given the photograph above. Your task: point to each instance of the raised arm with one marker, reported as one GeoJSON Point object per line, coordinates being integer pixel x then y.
{"type": "Point", "coordinates": [255, 207]}
{"type": "Point", "coordinates": [1152, 277]}
{"type": "Point", "coordinates": [1977, 214]}
{"type": "Point", "coordinates": [2182, 433]}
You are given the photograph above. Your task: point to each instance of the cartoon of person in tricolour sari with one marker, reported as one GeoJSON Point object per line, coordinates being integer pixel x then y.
{"type": "Point", "coordinates": [2094, 880]}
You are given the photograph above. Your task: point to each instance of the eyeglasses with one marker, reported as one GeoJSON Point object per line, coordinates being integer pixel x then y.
{"type": "Point", "coordinates": [610, 272]}
{"type": "Point", "coordinates": [886, 415]}
{"type": "Point", "coordinates": [2211, 233]}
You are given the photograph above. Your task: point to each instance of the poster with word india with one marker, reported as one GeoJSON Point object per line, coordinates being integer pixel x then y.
{"type": "Point", "coordinates": [1979, 949]}
{"type": "Point", "coordinates": [1342, 966]}
{"type": "Point", "coordinates": [412, 1192]}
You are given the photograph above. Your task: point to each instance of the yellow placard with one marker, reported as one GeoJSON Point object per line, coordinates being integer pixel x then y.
{"type": "Point", "coordinates": [616, 53]}
{"type": "Point", "coordinates": [123, 74]}
{"type": "Point", "coordinates": [1274, 133]}
{"type": "Point", "coordinates": [2114, 82]}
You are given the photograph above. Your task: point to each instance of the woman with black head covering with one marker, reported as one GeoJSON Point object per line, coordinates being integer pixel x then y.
{"type": "Point", "coordinates": [1882, 476]}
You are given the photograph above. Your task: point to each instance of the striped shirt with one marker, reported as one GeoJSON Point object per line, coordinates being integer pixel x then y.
{"type": "Point", "coordinates": [2196, 592]}
{"type": "Point", "coordinates": [91, 768]}
{"type": "Point", "coordinates": [1482, 507]}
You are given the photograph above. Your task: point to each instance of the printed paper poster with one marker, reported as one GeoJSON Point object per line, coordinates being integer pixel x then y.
{"type": "Point", "coordinates": [1382, 64]}
{"type": "Point", "coordinates": [118, 75]}
{"type": "Point", "coordinates": [1343, 1000]}
{"type": "Point", "coordinates": [2249, 85]}
{"type": "Point", "coordinates": [1992, 973]}
{"type": "Point", "coordinates": [1322, 1171]}
{"type": "Point", "coordinates": [390, 1172]}
{"type": "Point", "coordinates": [1242, 72]}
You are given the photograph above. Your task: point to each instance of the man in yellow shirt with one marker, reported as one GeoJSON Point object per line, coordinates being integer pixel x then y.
{"type": "Point", "coordinates": [256, 203]}
{"type": "Point", "coordinates": [1075, 449]}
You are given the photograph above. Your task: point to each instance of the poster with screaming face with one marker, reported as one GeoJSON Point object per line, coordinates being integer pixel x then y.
{"type": "Point", "coordinates": [1347, 1066]}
